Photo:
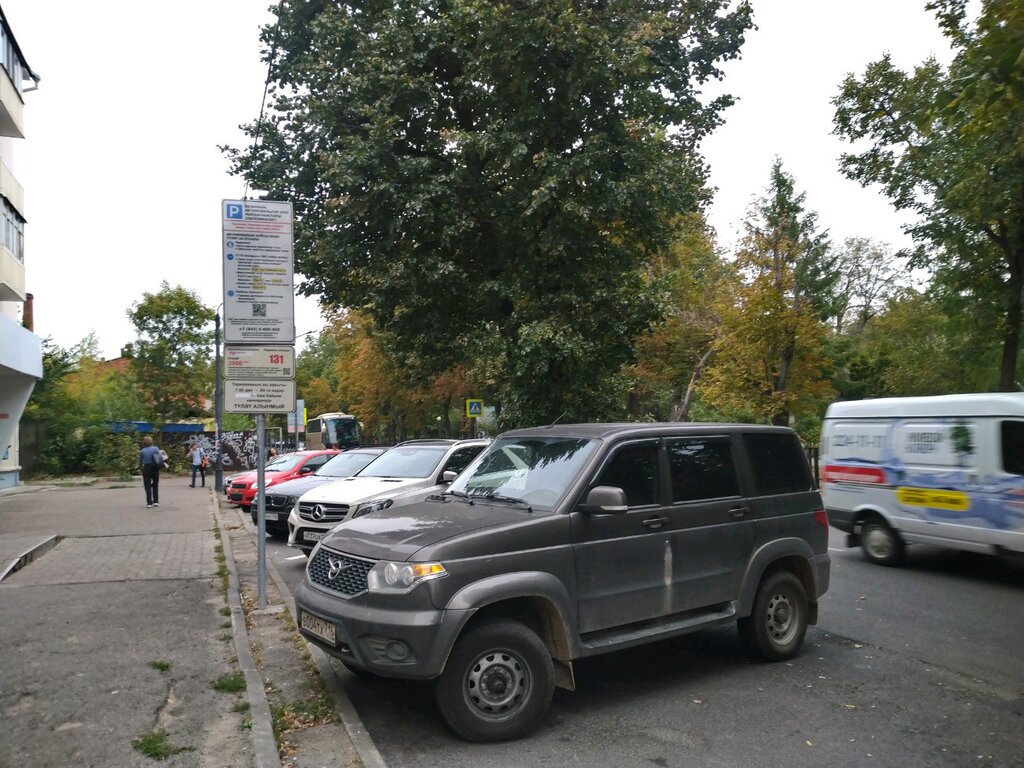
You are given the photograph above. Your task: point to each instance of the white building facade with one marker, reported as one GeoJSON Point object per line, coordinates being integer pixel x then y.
{"type": "Point", "coordinates": [21, 351]}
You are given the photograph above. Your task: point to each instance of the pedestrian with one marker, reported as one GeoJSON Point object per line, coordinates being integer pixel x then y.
{"type": "Point", "coordinates": [199, 463]}
{"type": "Point", "coordinates": [271, 453]}
{"type": "Point", "coordinates": [151, 458]}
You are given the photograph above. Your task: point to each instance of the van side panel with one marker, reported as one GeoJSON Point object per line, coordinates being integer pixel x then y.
{"type": "Point", "coordinates": [934, 479]}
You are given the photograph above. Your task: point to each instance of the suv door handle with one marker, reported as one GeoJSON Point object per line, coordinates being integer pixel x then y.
{"type": "Point", "coordinates": [655, 522]}
{"type": "Point", "coordinates": [737, 513]}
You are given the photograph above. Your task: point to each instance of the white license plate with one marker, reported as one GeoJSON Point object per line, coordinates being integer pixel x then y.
{"type": "Point", "coordinates": [312, 535]}
{"type": "Point", "coordinates": [271, 516]}
{"type": "Point", "coordinates": [322, 629]}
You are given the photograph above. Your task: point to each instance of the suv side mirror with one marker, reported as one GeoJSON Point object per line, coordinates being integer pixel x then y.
{"type": "Point", "coordinates": [605, 500]}
{"type": "Point", "coordinates": [447, 477]}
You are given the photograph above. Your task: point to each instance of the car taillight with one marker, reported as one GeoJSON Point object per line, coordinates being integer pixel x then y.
{"type": "Point", "coordinates": [821, 516]}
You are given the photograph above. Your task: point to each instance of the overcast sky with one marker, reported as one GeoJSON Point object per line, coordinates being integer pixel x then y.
{"type": "Point", "coordinates": [123, 179]}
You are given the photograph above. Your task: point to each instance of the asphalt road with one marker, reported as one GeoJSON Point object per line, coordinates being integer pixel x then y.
{"type": "Point", "coordinates": [920, 665]}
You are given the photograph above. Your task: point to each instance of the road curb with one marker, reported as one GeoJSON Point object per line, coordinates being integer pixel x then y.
{"type": "Point", "coordinates": [263, 742]}
{"type": "Point", "coordinates": [29, 555]}
{"type": "Point", "coordinates": [360, 737]}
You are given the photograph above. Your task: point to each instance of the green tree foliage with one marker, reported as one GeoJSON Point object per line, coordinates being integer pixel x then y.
{"type": "Point", "coordinates": [869, 275]}
{"type": "Point", "coordinates": [489, 178]}
{"type": "Point", "coordinates": [72, 403]}
{"type": "Point", "coordinates": [673, 353]}
{"type": "Point", "coordinates": [768, 360]}
{"type": "Point", "coordinates": [946, 144]}
{"type": "Point", "coordinates": [171, 357]}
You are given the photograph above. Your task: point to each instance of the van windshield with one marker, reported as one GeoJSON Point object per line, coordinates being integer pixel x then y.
{"type": "Point", "coordinates": [537, 470]}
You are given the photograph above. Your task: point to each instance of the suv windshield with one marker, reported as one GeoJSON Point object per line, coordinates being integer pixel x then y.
{"type": "Point", "coordinates": [346, 464]}
{"type": "Point", "coordinates": [406, 461]}
{"type": "Point", "coordinates": [537, 470]}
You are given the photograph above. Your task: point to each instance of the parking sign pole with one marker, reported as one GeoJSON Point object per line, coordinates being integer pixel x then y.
{"type": "Point", "coordinates": [261, 513]}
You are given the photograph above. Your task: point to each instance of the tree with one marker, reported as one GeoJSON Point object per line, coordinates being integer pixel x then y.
{"type": "Point", "coordinates": [491, 177]}
{"type": "Point", "coordinates": [171, 357]}
{"type": "Point", "coordinates": [768, 358]}
{"type": "Point", "coordinates": [673, 353]}
{"type": "Point", "coordinates": [869, 276]}
{"type": "Point", "coordinates": [946, 144]}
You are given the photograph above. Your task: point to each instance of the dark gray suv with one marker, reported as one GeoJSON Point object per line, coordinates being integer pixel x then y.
{"type": "Point", "coordinates": [569, 541]}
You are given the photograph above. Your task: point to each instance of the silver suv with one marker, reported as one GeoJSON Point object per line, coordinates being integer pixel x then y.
{"type": "Point", "coordinates": [409, 472]}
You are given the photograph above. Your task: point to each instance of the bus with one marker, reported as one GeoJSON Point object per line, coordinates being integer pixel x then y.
{"type": "Point", "coordinates": [332, 430]}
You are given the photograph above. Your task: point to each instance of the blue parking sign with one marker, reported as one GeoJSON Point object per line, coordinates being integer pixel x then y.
{"type": "Point", "coordinates": [234, 211]}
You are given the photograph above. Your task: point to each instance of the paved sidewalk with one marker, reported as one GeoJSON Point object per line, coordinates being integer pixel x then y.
{"type": "Point", "coordinates": [115, 628]}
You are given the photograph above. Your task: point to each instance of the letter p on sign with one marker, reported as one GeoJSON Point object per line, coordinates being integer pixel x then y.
{"type": "Point", "coordinates": [234, 211]}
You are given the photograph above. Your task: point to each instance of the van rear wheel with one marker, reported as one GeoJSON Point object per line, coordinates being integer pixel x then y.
{"type": "Point", "coordinates": [880, 543]}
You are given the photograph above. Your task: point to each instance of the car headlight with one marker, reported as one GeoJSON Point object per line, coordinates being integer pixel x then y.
{"type": "Point", "coordinates": [254, 484]}
{"type": "Point", "coordinates": [400, 578]}
{"type": "Point", "coordinates": [372, 506]}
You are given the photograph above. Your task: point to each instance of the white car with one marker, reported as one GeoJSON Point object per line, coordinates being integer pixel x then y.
{"type": "Point", "coordinates": [409, 472]}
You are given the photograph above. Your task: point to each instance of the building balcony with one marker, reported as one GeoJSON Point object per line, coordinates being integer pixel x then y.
{"type": "Point", "coordinates": [12, 108]}
{"type": "Point", "coordinates": [12, 277]}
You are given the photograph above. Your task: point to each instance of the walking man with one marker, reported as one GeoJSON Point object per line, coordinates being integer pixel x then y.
{"type": "Point", "coordinates": [151, 459]}
{"type": "Point", "coordinates": [199, 463]}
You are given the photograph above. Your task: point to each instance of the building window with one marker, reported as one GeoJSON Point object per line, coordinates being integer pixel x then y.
{"type": "Point", "coordinates": [13, 231]}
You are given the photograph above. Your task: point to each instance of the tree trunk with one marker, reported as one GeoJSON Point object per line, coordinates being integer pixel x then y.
{"type": "Point", "coordinates": [682, 412]}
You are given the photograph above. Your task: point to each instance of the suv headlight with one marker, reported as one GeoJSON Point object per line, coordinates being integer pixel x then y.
{"type": "Point", "coordinates": [372, 506]}
{"type": "Point", "coordinates": [390, 578]}
{"type": "Point", "coordinates": [254, 484]}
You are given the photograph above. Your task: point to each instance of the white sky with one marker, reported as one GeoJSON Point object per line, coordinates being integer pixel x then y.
{"type": "Point", "coordinates": [123, 178]}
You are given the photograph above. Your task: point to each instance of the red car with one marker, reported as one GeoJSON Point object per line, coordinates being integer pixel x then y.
{"type": "Point", "coordinates": [241, 489]}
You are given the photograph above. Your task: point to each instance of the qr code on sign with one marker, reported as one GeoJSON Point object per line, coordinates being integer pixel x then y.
{"type": "Point", "coordinates": [259, 310]}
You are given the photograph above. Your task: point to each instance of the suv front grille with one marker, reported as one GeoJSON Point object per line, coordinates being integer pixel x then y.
{"type": "Point", "coordinates": [280, 503]}
{"type": "Point", "coordinates": [322, 513]}
{"type": "Point", "coordinates": [350, 574]}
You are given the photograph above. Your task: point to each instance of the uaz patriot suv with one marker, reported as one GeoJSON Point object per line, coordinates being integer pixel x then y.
{"type": "Point", "coordinates": [563, 542]}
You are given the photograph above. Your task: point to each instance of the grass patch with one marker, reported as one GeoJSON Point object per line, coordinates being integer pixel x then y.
{"type": "Point", "coordinates": [232, 682]}
{"type": "Point", "coordinates": [155, 745]}
{"type": "Point", "coordinates": [317, 709]}
{"type": "Point", "coordinates": [242, 707]}
{"type": "Point", "coordinates": [226, 637]}
{"type": "Point", "coordinates": [225, 611]}
{"type": "Point", "coordinates": [160, 666]}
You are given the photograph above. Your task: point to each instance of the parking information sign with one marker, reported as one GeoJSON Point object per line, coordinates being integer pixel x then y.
{"type": "Point", "coordinates": [259, 396]}
{"type": "Point", "coordinates": [259, 292]}
{"type": "Point", "coordinates": [259, 362]}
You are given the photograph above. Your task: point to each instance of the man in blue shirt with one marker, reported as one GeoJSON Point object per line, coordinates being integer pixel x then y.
{"type": "Point", "coordinates": [151, 459]}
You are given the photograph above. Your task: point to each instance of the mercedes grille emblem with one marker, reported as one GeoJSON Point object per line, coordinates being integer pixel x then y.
{"type": "Point", "coordinates": [335, 568]}
{"type": "Point", "coordinates": [317, 513]}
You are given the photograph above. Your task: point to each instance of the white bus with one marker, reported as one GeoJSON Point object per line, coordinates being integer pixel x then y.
{"type": "Point", "coordinates": [332, 430]}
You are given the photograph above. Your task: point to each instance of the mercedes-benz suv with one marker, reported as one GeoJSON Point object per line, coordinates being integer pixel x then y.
{"type": "Point", "coordinates": [410, 471]}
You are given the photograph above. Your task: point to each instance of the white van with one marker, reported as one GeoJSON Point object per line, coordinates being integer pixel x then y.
{"type": "Point", "coordinates": [943, 470]}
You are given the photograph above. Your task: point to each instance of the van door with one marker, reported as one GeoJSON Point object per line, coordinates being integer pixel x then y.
{"type": "Point", "coordinates": [620, 571]}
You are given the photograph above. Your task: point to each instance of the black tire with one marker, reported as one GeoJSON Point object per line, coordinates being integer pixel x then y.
{"type": "Point", "coordinates": [497, 684]}
{"type": "Point", "coordinates": [776, 626]}
{"type": "Point", "coordinates": [880, 543]}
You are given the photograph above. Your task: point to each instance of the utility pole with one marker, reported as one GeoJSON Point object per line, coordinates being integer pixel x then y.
{"type": "Point", "coordinates": [218, 406]}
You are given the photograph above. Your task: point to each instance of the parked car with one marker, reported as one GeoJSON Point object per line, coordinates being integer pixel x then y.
{"type": "Point", "coordinates": [410, 471]}
{"type": "Point", "coordinates": [279, 502]}
{"type": "Point", "coordinates": [563, 542]}
{"type": "Point", "coordinates": [242, 488]}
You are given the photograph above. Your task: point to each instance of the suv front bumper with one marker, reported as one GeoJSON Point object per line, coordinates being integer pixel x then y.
{"type": "Point", "coordinates": [410, 643]}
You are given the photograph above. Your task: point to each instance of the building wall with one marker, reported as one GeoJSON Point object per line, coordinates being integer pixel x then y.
{"type": "Point", "coordinates": [21, 355]}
